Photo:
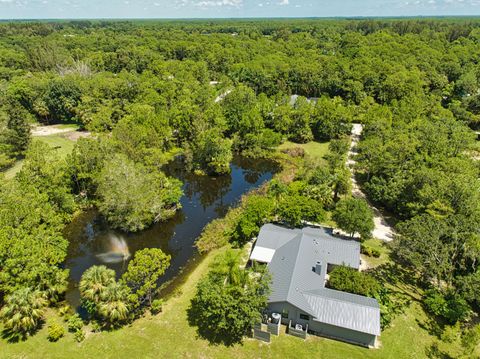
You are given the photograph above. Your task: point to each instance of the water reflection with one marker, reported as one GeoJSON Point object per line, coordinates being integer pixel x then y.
{"type": "Point", "coordinates": [118, 250]}
{"type": "Point", "coordinates": [92, 242]}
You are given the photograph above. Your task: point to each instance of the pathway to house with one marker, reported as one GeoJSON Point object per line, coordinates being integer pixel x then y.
{"type": "Point", "coordinates": [383, 230]}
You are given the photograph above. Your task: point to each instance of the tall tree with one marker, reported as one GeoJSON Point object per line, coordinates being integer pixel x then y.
{"type": "Point", "coordinates": [353, 215]}
{"type": "Point", "coordinates": [143, 272]}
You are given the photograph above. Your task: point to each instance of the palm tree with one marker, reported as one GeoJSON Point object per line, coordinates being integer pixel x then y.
{"type": "Point", "coordinates": [95, 280]}
{"type": "Point", "coordinates": [54, 285]}
{"type": "Point", "coordinates": [113, 307]}
{"type": "Point", "coordinates": [229, 266]}
{"type": "Point", "coordinates": [23, 311]}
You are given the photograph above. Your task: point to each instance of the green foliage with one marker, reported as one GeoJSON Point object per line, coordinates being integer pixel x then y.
{"type": "Point", "coordinates": [14, 133]}
{"type": "Point", "coordinates": [256, 211]}
{"type": "Point", "coordinates": [31, 241]}
{"type": "Point", "coordinates": [93, 284]}
{"type": "Point", "coordinates": [331, 119]}
{"type": "Point", "coordinates": [143, 135]}
{"type": "Point", "coordinates": [350, 280]}
{"type": "Point", "coordinates": [353, 215]}
{"type": "Point", "coordinates": [413, 83]}
{"type": "Point", "coordinates": [156, 306]}
{"type": "Point", "coordinates": [44, 170]}
{"type": "Point", "coordinates": [22, 313]}
{"type": "Point", "coordinates": [439, 247]}
{"type": "Point", "coordinates": [368, 251]}
{"type": "Point", "coordinates": [55, 332]}
{"type": "Point", "coordinates": [228, 302]}
{"type": "Point", "coordinates": [132, 197]}
{"type": "Point", "coordinates": [85, 163]}
{"type": "Point", "coordinates": [294, 209]}
{"type": "Point", "coordinates": [65, 311]}
{"type": "Point", "coordinates": [451, 307]}
{"type": "Point", "coordinates": [103, 297]}
{"type": "Point", "coordinates": [60, 99]}
{"type": "Point", "coordinates": [143, 272]}
{"type": "Point", "coordinates": [74, 323]}
{"type": "Point", "coordinates": [471, 339]}
{"type": "Point", "coordinates": [211, 153]}
{"type": "Point", "coordinates": [79, 336]}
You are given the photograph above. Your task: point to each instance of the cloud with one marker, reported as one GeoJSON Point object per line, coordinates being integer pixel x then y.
{"type": "Point", "coordinates": [219, 3]}
{"type": "Point", "coordinates": [283, 2]}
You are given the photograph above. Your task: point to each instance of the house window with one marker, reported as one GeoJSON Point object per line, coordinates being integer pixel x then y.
{"type": "Point", "coordinates": [304, 317]}
{"type": "Point", "coordinates": [285, 314]}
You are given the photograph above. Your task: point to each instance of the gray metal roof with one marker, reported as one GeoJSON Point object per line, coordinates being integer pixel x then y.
{"type": "Point", "coordinates": [345, 310]}
{"type": "Point", "coordinates": [274, 237]}
{"type": "Point", "coordinates": [294, 279]}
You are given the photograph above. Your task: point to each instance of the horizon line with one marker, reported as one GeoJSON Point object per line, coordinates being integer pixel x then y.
{"type": "Point", "coordinates": [350, 17]}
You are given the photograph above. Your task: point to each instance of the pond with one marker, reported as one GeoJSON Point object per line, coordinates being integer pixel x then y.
{"type": "Point", "coordinates": [93, 242]}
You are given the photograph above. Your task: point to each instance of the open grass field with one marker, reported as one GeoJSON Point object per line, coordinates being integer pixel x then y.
{"type": "Point", "coordinates": [61, 142]}
{"type": "Point", "coordinates": [168, 335]}
{"type": "Point", "coordinates": [315, 150]}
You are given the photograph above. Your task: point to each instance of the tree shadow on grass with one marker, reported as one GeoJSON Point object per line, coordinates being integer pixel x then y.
{"type": "Point", "coordinates": [206, 330]}
{"type": "Point", "coordinates": [432, 326]}
{"type": "Point", "coordinates": [434, 352]}
{"type": "Point", "coordinates": [15, 337]}
{"type": "Point", "coordinates": [399, 277]}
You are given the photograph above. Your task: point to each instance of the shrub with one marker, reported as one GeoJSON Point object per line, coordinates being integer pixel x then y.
{"type": "Point", "coordinates": [79, 335]}
{"type": "Point", "coordinates": [350, 280]}
{"type": "Point", "coordinates": [55, 332]}
{"type": "Point", "coordinates": [74, 323]}
{"type": "Point", "coordinates": [448, 306]}
{"type": "Point", "coordinates": [294, 152]}
{"type": "Point", "coordinates": [376, 253]}
{"type": "Point", "coordinates": [370, 252]}
{"type": "Point", "coordinates": [157, 306]}
{"type": "Point", "coordinates": [96, 327]}
{"type": "Point", "coordinates": [65, 310]}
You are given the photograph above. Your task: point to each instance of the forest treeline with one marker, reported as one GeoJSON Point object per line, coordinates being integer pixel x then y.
{"type": "Point", "coordinates": [147, 90]}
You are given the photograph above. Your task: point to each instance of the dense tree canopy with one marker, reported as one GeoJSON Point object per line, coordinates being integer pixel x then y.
{"type": "Point", "coordinates": [131, 197]}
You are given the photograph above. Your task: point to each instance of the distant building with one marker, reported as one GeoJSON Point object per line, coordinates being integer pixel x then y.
{"type": "Point", "coordinates": [299, 261]}
{"type": "Point", "coordinates": [294, 99]}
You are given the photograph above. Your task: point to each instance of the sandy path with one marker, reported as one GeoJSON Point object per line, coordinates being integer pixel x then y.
{"type": "Point", "coordinates": [39, 131]}
{"type": "Point", "coordinates": [383, 230]}
{"type": "Point", "coordinates": [222, 96]}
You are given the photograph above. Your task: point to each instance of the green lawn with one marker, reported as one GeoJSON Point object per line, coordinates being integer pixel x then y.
{"type": "Point", "coordinates": [382, 247]}
{"type": "Point", "coordinates": [168, 335]}
{"type": "Point", "coordinates": [60, 142]}
{"type": "Point", "coordinates": [314, 149]}
{"type": "Point", "coordinates": [12, 171]}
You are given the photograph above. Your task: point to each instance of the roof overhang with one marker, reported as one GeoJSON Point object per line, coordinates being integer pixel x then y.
{"type": "Point", "coordinates": [262, 254]}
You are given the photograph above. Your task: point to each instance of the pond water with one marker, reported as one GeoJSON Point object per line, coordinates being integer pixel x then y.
{"type": "Point", "coordinates": [93, 242]}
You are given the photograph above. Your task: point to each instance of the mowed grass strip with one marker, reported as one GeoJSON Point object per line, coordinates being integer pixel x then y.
{"type": "Point", "coordinates": [315, 150]}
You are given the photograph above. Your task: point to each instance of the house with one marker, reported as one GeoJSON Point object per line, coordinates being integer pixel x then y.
{"type": "Point", "coordinates": [294, 99]}
{"type": "Point", "coordinates": [299, 261]}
